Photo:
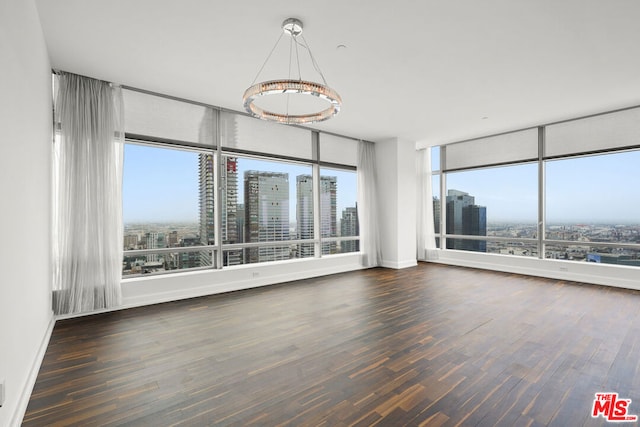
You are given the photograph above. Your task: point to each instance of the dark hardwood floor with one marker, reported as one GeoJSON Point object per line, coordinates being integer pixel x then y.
{"type": "Point", "coordinates": [430, 345]}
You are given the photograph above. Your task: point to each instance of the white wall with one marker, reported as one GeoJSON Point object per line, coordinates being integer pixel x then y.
{"type": "Point", "coordinates": [396, 179]}
{"type": "Point", "coordinates": [387, 181]}
{"type": "Point", "coordinates": [25, 198]}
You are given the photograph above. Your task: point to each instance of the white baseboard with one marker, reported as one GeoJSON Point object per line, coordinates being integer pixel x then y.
{"type": "Point", "coordinates": [25, 395]}
{"type": "Point", "coordinates": [399, 264]}
{"type": "Point", "coordinates": [582, 272]}
{"type": "Point", "coordinates": [233, 284]}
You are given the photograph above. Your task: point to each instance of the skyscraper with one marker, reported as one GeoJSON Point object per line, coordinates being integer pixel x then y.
{"type": "Point", "coordinates": [207, 212]}
{"type": "Point", "coordinates": [266, 201]}
{"type": "Point", "coordinates": [474, 223]}
{"type": "Point", "coordinates": [228, 205]}
{"type": "Point", "coordinates": [349, 227]}
{"type": "Point", "coordinates": [328, 216]}
{"type": "Point", "coordinates": [304, 213]}
{"type": "Point", "coordinates": [436, 215]}
{"type": "Point", "coordinates": [240, 222]}
{"type": "Point", "coordinates": [464, 217]}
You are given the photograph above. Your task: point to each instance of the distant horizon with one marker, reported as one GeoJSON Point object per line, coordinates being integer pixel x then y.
{"type": "Point", "coordinates": [161, 185]}
{"type": "Point", "coordinates": [596, 189]}
{"type": "Point", "coordinates": [577, 223]}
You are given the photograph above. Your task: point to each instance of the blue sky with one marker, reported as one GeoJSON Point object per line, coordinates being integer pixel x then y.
{"type": "Point", "coordinates": [590, 189]}
{"type": "Point", "coordinates": [161, 185]}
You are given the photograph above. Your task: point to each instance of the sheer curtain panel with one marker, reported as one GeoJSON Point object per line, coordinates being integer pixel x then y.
{"type": "Point", "coordinates": [87, 195]}
{"type": "Point", "coordinates": [368, 205]}
{"type": "Point", "coordinates": [425, 230]}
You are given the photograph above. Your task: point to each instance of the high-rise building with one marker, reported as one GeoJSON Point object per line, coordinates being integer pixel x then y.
{"type": "Point", "coordinates": [130, 241]}
{"type": "Point", "coordinates": [436, 215]}
{"type": "Point", "coordinates": [474, 223]}
{"type": "Point", "coordinates": [349, 227]}
{"type": "Point", "coordinates": [240, 222]}
{"type": "Point", "coordinates": [328, 215]}
{"type": "Point", "coordinates": [172, 239]}
{"type": "Point", "coordinates": [228, 205]}
{"type": "Point", "coordinates": [266, 198]}
{"type": "Point", "coordinates": [464, 217]}
{"type": "Point", "coordinates": [189, 259]}
{"type": "Point", "coordinates": [304, 213]}
{"type": "Point", "coordinates": [154, 240]}
{"type": "Point", "coordinates": [207, 193]}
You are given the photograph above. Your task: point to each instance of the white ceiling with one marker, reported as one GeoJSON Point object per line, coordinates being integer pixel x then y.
{"type": "Point", "coordinates": [429, 71]}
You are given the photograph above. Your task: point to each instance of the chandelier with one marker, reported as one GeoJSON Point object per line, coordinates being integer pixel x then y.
{"type": "Point", "coordinates": [293, 28]}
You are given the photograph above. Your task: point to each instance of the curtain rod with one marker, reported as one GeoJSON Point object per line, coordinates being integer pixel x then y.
{"type": "Point", "coordinates": [58, 72]}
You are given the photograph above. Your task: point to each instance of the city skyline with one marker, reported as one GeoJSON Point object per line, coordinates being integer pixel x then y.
{"type": "Point", "coordinates": [153, 174]}
{"type": "Point", "coordinates": [266, 204]}
{"type": "Point", "coordinates": [596, 189]}
{"type": "Point", "coordinates": [583, 190]}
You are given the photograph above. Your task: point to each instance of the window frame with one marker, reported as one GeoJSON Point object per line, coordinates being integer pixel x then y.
{"type": "Point", "coordinates": [340, 239]}
{"type": "Point", "coordinates": [446, 237]}
{"type": "Point", "coordinates": [134, 140]}
{"type": "Point", "coordinates": [541, 241]}
{"type": "Point", "coordinates": [220, 152]}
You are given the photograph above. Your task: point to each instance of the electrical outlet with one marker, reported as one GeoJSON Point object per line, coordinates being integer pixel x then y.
{"type": "Point", "coordinates": [1, 393]}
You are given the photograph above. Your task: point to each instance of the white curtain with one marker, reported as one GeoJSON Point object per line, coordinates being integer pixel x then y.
{"type": "Point", "coordinates": [425, 232]}
{"type": "Point", "coordinates": [87, 195]}
{"type": "Point", "coordinates": [368, 205]}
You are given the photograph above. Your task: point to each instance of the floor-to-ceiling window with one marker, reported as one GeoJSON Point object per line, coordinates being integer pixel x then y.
{"type": "Point", "coordinates": [496, 202]}
{"type": "Point", "coordinates": [339, 210]}
{"type": "Point", "coordinates": [263, 199]}
{"type": "Point", "coordinates": [205, 188]}
{"type": "Point", "coordinates": [592, 208]}
{"type": "Point", "coordinates": [161, 211]}
{"type": "Point", "coordinates": [562, 191]}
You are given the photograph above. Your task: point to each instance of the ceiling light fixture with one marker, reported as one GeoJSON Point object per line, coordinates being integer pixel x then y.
{"type": "Point", "coordinates": [293, 28]}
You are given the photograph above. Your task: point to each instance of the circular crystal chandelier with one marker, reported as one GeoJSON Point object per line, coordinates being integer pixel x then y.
{"type": "Point", "coordinates": [293, 28]}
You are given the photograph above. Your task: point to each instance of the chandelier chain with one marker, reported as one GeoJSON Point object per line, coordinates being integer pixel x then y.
{"type": "Point", "coordinates": [313, 60]}
{"type": "Point", "coordinates": [289, 75]}
{"type": "Point", "coordinates": [298, 60]}
{"type": "Point", "coordinates": [266, 60]}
